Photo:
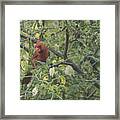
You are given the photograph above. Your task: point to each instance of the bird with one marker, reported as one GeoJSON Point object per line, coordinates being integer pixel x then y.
{"type": "Point", "coordinates": [41, 52]}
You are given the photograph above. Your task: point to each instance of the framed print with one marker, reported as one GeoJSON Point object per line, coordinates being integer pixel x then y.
{"type": "Point", "coordinates": [60, 59]}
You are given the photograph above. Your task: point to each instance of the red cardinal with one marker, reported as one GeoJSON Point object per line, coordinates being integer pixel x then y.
{"type": "Point", "coordinates": [41, 52]}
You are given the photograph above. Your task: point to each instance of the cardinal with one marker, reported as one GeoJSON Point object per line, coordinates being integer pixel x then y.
{"type": "Point", "coordinates": [41, 52]}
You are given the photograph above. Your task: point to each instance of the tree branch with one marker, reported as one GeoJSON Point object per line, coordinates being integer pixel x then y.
{"type": "Point", "coordinates": [69, 62]}
{"type": "Point", "coordinates": [74, 66]}
{"type": "Point", "coordinates": [59, 54]}
{"type": "Point", "coordinates": [66, 42]}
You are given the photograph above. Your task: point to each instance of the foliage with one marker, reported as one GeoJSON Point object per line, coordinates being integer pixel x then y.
{"type": "Point", "coordinates": [71, 74]}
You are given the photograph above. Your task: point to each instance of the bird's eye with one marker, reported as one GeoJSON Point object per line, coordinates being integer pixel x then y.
{"type": "Point", "coordinates": [39, 47]}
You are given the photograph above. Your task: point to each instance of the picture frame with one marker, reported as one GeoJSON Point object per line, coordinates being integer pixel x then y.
{"type": "Point", "coordinates": [70, 2]}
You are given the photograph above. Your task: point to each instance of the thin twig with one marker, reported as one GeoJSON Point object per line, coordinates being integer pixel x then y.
{"type": "Point", "coordinates": [91, 80]}
{"type": "Point", "coordinates": [91, 94]}
{"type": "Point", "coordinates": [61, 30]}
